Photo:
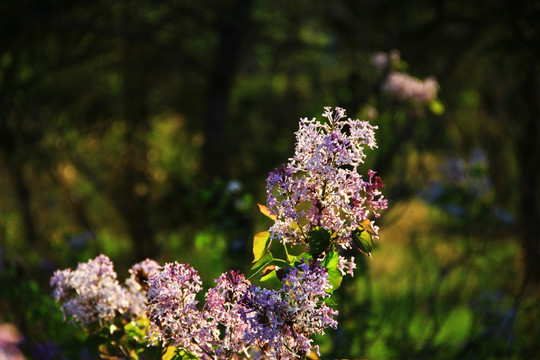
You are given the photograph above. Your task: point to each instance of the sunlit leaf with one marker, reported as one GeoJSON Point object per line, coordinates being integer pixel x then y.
{"type": "Point", "coordinates": [436, 107]}
{"type": "Point", "coordinates": [261, 245]}
{"type": "Point", "coordinates": [334, 278]}
{"type": "Point", "coordinates": [169, 353]}
{"type": "Point", "coordinates": [363, 241]}
{"type": "Point", "coordinates": [264, 262]}
{"type": "Point", "coordinates": [265, 211]}
{"type": "Point", "coordinates": [269, 272]}
{"type": "Point", "coordinates": [366, 225]}
{"type": "Point", "coordinates": [330, 262]}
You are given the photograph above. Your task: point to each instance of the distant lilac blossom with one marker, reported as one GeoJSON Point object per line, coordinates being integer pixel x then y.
{"type": "Point", "coordinates": [406, 87]}
{"type": "Point", "coordinates": [91, 293]}
{"type": "Point", "coordinates": [383, 60]}
{"type": "Point", "coordinates": [321, 186]}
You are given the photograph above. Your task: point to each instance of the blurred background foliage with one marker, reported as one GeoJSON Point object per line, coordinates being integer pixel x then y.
{"type": "Point", "coordinates": [138, 129]}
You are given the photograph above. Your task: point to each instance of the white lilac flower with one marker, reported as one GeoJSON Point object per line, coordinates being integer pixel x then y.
{"type": "Point", "coordinates": [137, 286]}
{"type": "Point", "coordinates": [172, 309]}
{"type": "Point", "coordinates": [91, 293]}
{"type": "Point", "coordinates": [346, 266]}
{"type": "Point", "coordinates": [321, 186]}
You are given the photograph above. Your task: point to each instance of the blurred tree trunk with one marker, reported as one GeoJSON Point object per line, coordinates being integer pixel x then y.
{"type": "Point", "coordinates": [131, 190]}
{"type": "Point", "coordinates": [528, 160]}
{"type": "Point", "coordinates": [215, 150]}
{"type": "Point", "coordinates": [13, 142]}
{"type": "Point", "coordinates": [22, 194]}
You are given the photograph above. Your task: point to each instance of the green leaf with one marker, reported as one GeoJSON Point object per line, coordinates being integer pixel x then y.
{"type": "Point", "coordinates": [436, 107]}
{"type": "Point", "coordinates": [319, 241]}
{"type": "Point", "coordinates": [261, 245]}
{"type": "Point", "coordinates": [331, 261]}
{"type": "Point", "coordinates": [264, 262]}
{"type": "Point", "coordinates": [270, 275]}
{"type": "Point", "coordinates": [298, 259]}
{"type": "Point", "coordinates": [363, 241]}
{"type": "Point", "coordinates": [334, 278]}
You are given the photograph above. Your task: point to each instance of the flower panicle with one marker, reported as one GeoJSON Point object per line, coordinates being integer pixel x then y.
{"type": "Point", "coordinates": [321, 185]}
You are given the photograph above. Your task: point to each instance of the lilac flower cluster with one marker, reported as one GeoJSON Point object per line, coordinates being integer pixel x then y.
{"type": "Point", "coordinates": [282, 322]}
{"type": "Point", "coordinates": [224, 311]}
{"type": "Point", "coordinates": [238, 317]}
{"type": "Point", "coordinates": [406, 87]}
{"type": "Point", "coordinates": [93, 294]}
{"type": "Point", "coordinates": [321, 186]}
{"type": "Point", "coordinates": [137, 285]}
{"type": "Point", "coordinates": [172, 309]}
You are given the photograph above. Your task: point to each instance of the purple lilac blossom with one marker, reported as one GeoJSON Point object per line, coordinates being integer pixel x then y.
{"type": "Point", "coordinates": [321, 186]}
{"type": "Point", "coordinates": [91, 293]}
{"type": "Point", "coordinates": [172, 309]}
{"type": "Point", "coordinates": [224, 310]}
{"type": "Point", "coordinates": [137, 286]}
{"type": "Point", "coordinates": [281, 322]}
{"type": "Point", "coordinates": [406, 87]}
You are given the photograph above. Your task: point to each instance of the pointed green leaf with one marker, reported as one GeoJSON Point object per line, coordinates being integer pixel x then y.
{"type": "Point", "coordinates": [330, 262]}
{"type": "Point", "coordinates": [264, 262]}
{"type": "Point", "coordinates": [261, 245]}
{"type": "Point", "coordinates": [363, 241]}
{"type": "Point", "coordinates": [270, 275]}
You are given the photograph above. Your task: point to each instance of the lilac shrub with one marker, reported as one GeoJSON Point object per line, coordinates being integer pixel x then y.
{"type": "Point", "coordinates": [320, 205]}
